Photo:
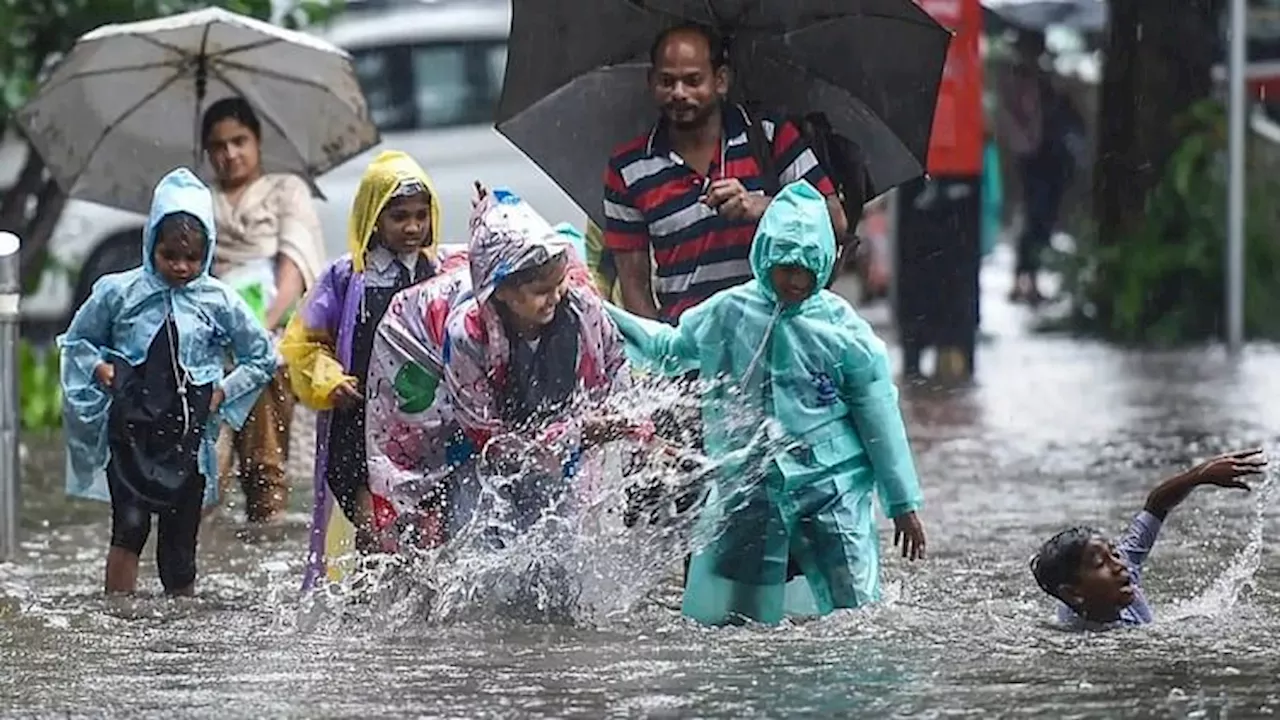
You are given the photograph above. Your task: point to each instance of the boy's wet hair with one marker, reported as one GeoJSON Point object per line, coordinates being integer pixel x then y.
{"type": "Point", "coordinates": [232, 108]}
{"type": "Point", "coordinates": [528, 275]}
{"type": "Point", "coordinates": [181, 223]}
{"type": "Point", "coordinates": [1058, 562]}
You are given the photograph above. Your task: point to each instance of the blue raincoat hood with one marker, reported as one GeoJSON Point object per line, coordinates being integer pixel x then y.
{"type": "Point", "coordinates": [795, 230]}
{"type": "Point", "coordinates": [179, 191]}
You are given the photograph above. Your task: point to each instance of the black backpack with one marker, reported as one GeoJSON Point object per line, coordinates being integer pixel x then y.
{"type": "Point", "coordinates": [841, 159]}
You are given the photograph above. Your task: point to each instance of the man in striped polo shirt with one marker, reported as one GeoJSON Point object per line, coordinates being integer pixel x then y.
{"type": "Point", "coordinates": [690, 190]}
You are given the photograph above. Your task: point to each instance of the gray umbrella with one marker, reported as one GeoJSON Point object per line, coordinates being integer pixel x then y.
{"type": "Point", "coordinates": [576, 83]}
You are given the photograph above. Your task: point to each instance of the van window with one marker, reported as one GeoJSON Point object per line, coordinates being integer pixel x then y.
{"type": "Point", "coordinates": [431, 85]}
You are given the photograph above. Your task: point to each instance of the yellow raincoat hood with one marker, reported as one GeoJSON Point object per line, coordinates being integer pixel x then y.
{"type": "Point", "coordinates": [377, 185]}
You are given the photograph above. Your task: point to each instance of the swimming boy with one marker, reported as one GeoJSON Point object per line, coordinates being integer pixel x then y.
{"type": "Point", "coordinates": [1098, 581]}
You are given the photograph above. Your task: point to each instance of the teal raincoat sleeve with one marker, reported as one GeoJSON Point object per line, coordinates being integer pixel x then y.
{"type": "Point", "coordinates": [872, 397]}
{"type": "Point", "coordinates": [659, 347]}
{"type": "Point", "coordinates": [255, 360]}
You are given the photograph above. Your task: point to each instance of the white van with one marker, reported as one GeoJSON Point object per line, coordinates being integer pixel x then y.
{"type": "Point", "coordinates": [432, 74]}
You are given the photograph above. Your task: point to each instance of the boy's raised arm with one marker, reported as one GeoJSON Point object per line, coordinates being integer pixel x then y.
{"type": "Point", "coordinates": [1223, 471]}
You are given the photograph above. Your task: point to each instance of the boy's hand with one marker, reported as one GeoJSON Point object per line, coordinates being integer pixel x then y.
{"type": "Point", "coordinates": [346, 395]}
{"type": "Point", "coordinates": [215, 402]}
{"type": "Point", "coordinates": [909, 532]}
{"type": "Point", "coordinates": [106, 374]}
{"type": "Point", "coordinates": [1226, 470]}
{"type": "Point", "coordinates": [607, 428]}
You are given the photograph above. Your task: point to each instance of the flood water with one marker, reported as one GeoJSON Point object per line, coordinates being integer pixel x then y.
{"type": "Point", "coordinates": [1055, 432]}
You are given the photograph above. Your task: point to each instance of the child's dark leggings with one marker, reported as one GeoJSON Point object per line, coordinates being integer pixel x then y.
{"type": "Point", "coordinates": [179, 526]}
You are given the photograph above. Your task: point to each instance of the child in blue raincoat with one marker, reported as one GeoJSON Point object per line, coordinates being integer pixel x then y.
{"type": "Point", "coordinates": [144, 387]}
{"type": "Point", "coordinates": [801, 355]}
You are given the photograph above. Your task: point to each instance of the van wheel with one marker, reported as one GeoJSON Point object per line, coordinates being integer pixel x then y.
{"type": "Point", "coordinates": [117, 253]}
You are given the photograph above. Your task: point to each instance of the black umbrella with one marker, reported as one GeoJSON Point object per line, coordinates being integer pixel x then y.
{"type": "Point", "coordinates": [576, 83]}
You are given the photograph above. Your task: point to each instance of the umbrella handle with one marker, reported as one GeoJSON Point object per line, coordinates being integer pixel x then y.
{"type": "Point", "coordinates": [202, 86]}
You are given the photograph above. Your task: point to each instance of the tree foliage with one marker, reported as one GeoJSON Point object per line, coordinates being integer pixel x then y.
{"type": "Point", "coordinates": [1153, 272]}
{"type": "Point", "coordinates": [1158, 65]}
{"type": "Point", "coordinates": [1162, 284]}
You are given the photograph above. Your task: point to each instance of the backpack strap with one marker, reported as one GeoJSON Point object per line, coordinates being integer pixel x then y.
{"type": "Point", "coordinates": [762, 152]}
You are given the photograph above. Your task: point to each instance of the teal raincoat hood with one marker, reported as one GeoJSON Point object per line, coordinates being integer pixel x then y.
{"type": "Point", "coordinates": [122, 317]}
{"type": "Point", "coordinates": [795, 230]}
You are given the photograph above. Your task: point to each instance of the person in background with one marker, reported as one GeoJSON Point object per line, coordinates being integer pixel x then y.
{"type": "Point", "coordinates": [604, 271]}
{"type": "Point", "coordinates": [270, 249]}
{"type": "Point", "coordinates": [800, 354]}
{"type": "Point", "coordinates": [393, 233]}
{"type": "Point", "coordinates": [1099, 582]}
{"type": "Point", "coordinates": [145, 386]}
{"type": "Point", "coordinates": [992, 195]}
{"type": "Point", "coordinates": [688, 192]}
{"type": "Point", "coordinates": [1033, 118]}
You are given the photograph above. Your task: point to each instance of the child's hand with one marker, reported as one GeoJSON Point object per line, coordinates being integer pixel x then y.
{"type": "Point", "coordinates": [481, 193]}
{"type": "Point", "coordinates": [909, 532]}
{"type": "Point", "coordinates": [604, 428]}
{"type": "Point", "coordinates": [106, 374]}
{"type": "Point", "coordinates": [215, 402]}
{"type": "Point", "coordinates": [347, 394]}
{"type": "Point", "coordinates": [1226, 470]}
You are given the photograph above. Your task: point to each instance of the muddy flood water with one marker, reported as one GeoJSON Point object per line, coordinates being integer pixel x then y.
{"type": "Point", "coordinates": [1054, 432]}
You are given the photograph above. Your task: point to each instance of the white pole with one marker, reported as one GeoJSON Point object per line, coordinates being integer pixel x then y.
{"type": "Point", "coordinates": [10, 294]}
{"type": "Point", "coordinates": [1236, 178]}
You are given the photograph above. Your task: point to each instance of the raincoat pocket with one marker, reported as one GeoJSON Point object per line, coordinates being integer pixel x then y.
{"type": "Point", "coordinates": [820, 452]}
{"type": "Point", "coordinates": [838, 450]}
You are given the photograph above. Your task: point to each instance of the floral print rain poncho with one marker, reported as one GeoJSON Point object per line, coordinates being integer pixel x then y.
{"type": "Point", "coordinates": [421, 434]}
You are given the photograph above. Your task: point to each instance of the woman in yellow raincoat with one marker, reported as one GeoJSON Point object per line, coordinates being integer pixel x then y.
{"type": "Point", "coordinates": [801, 355]}
{"type": "Point", "coordinates": [392, 237]}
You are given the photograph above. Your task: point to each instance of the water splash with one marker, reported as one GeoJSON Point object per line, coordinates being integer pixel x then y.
{"type": "Point", "coordinates": [1225, 592]}
{"type": "Point", "coordinates": [588, 551]}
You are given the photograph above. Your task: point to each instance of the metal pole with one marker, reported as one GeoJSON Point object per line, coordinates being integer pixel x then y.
{"type": "Point", "coordinates": [1236, 178]}
{"type": "Point", "coordinates": [10, 295]}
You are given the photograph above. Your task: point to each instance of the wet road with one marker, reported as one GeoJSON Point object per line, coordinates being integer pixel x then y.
{"type": "Point", "coordinates": [1055, 432]}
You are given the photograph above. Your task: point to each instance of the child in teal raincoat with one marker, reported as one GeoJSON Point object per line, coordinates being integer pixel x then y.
{"type": "Point", "coordinates": [802, 356]}
{"type": "Point", "coordinates": [144, 387]}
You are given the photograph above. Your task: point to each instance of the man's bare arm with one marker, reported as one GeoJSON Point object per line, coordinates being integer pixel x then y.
{"type": "Point", "coordinates": [838, 219]}
{"type": "Point", "coordinates": [635, 278]}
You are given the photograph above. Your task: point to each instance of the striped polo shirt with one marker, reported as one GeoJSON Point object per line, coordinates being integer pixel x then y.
{"type": "Point", "coordinates": [651, 200]}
